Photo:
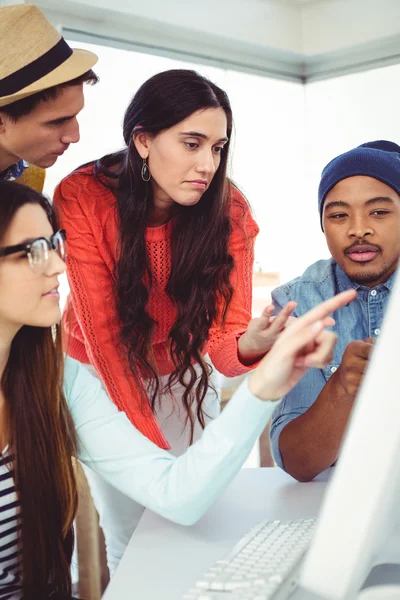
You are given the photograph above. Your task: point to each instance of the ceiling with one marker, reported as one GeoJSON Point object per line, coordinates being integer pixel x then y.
{"type": "Point", "coordinates": [295, 2]}
{"type": "Point", "coordinates": [299, 40]}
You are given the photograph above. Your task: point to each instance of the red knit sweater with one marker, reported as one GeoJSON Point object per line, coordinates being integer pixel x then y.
{"type": "Point", "coordinates": [88, 213]}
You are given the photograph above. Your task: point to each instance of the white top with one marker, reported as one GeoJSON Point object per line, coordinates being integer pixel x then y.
{"type": "Point", "coordinates": [178, 488]}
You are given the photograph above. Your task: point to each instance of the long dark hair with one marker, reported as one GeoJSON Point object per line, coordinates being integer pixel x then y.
{"type": "Point", "coordinates": [199, 282]}
{"type": "Point", "coordinates": [41, 437]}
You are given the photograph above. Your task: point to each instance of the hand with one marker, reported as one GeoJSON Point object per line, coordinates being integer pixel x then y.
{"type": "Point", "coordinates": [303, 345]}
{"type": "Point", "coordinates": [262, 332]}
{"type": "Point", "coordinates": [353, 365]}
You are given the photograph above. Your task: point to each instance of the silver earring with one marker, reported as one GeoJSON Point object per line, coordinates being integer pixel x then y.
{"type": "Point", "coordinates": [146, 175]}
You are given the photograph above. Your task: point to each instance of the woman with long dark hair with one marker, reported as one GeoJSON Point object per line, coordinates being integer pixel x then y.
{"type": "Point", "coordinates": [160, 270]}
{"type": "Point", "coordinates": [50, 411]}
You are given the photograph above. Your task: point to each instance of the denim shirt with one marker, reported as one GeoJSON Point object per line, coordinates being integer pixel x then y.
{"type": "Point", "coordinates": [361, 319]}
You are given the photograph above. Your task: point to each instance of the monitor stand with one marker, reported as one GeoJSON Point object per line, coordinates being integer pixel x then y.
{"type": "Point", "coordinates": [383, 581]}
{"type": "Point", "coordinates": [384, 578]}
{"type": "Point", "coordinates": [380, 592]}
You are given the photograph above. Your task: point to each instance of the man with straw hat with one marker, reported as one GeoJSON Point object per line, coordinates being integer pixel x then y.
{"type": "Point", "coordinates": [41, 93]}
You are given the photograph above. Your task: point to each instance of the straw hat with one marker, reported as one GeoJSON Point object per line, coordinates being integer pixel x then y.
{"type": "Point", "coordinates": [33, 54]}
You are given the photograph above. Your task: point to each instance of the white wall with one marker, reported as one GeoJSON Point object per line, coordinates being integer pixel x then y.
{"type": "Point", "coordinates": [285, 133]}
{"type": "Point", "coordinates": [268, 163]}
{"type": "Point", "coordinates": [342, 113]}
{"type": "Point", "coordinates": [268, 148]}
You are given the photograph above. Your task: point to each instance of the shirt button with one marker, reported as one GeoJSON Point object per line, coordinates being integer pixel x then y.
{"type": "Point", "coordinates": [377, 331]}
{"type": "Point", "coordinates": [373, 293]}
{"type": "Point", "coordinates": [333, 369]}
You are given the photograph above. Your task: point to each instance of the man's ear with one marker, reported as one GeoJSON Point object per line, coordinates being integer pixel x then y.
{"type": "Point", "coordinates": [2, 122]}
{"type": "Point", "coordinates": [142, 141]}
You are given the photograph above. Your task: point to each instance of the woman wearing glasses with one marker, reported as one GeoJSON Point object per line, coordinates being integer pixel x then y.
{"type": "Point", "coordinates": [51, 411]}
{"type": "Point", "coordinates": [160, 269]}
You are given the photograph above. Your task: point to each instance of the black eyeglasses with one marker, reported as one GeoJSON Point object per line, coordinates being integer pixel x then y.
{"type": "Point", "coordinates": [38, 251]}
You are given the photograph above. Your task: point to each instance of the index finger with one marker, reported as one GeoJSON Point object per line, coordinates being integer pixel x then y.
{"type": "Point", "coordinates": [326, 308]}
{"type": "Point", "coordinates": [282, 317]}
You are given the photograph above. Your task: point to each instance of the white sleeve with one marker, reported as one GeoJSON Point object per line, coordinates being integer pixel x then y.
{"type": "Point", "coordinates": [178, 488]}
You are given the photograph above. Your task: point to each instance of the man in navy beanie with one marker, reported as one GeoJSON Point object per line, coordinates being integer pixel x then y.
{"type": "Point", "coordinates": [359, 206]}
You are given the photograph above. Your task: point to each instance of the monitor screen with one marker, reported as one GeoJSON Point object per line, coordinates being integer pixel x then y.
{"type": "Point", "coordinates": [361, 505]}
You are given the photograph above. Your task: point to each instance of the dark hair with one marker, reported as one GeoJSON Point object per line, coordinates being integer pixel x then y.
{"type": "Point", "coordinates": [25, 106]}
{"type": "Point", "coordinates": [41, 437]}
{"type": "Point", "coordinates": [199, 281]}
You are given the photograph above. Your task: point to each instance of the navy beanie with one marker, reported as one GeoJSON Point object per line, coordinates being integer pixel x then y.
{"type": "Point", "coordinates": [380, 160]}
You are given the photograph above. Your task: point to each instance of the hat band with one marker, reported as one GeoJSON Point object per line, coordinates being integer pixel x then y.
{"type": "Point", "coordinates": [35, 70]}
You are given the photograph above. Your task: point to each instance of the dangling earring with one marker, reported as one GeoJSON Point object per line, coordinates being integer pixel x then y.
{"type": "Point", "coordinates": [146, 175]}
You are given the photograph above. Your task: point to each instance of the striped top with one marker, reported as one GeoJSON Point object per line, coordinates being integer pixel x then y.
{"type": "Point", "coordinates": [10, 583]}
{"type": "Point", "coordinates": [180, 489]}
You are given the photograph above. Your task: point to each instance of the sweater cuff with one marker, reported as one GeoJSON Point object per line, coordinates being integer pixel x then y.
{"type": "Point", "coordinates": [75, 349]}
{"type": "Point", "coordinates": [226, 360]}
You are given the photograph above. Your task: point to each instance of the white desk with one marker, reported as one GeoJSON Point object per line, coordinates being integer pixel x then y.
{"type": "Point", "coordinates": [163, 559]}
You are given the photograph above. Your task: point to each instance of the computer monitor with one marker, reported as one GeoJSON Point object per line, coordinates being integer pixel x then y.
{"type": "Point", "coordinates": [362, 502]}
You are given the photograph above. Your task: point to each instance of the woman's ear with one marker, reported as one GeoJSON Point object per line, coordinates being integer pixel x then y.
{"type": "Point", "coordinates": [142, 141]}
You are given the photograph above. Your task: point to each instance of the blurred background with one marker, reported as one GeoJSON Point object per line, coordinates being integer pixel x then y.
{"type": "Point", "coordinates": [307, 79]}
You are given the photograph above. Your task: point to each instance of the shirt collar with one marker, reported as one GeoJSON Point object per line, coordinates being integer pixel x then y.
{"type": "Point", "coordinates": [14, 171]}
{"type": "Point", "coordinates": [389, 283]}
{"type": "Point", "coordinates": [345, 283]}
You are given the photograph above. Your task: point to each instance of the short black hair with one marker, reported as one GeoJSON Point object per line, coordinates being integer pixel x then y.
{"type": "Point", "coordinates": [23, 107]}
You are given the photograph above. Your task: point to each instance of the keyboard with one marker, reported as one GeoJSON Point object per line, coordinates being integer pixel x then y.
{"type": "Point", "coordinates": [263, 565]}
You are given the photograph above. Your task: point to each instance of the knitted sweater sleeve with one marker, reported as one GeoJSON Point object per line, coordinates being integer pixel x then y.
{"type": "Point", "coordinates": [91, 280]}
{"type": "Point", "coordinates": [222, 345]}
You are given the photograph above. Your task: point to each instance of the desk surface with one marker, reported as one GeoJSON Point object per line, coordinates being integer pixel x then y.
{"type": "Point", "coordinates": [163, 559]}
